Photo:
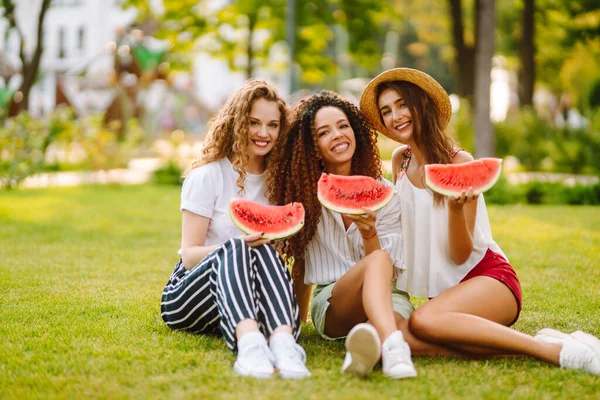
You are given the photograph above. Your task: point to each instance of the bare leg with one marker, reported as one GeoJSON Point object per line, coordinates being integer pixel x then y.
{"type": "Point", "coordinates": [472, 317]}
{"type": "Point", "coordinates": [363, 293]}
{"type": "Point", "coordinates": [420, 347]}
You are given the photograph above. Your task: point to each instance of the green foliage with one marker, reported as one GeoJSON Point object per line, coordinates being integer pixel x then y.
{"type": "Point", "coordinates": [543, 193]}
{"type": "Point", "coordinates": [60, 142]}
{"type": "Point", "coordinates": [594, 97]}
{"type": "Point", "coordinates": [463, 127]}
{"type": "Point", "coordinates": [243, 33]}
{"type": "Point", "coordinates": [23, 143]}
{"type": "Point", "coordinates": [540, 146]}
{"type": "Point", "coordinates": [170, 174]}
{"type": "Point", "coordinates": [505, 193]}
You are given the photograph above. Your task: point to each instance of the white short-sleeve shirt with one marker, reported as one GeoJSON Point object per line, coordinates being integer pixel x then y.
{"type": "Point", "coordinates": [207, 191]}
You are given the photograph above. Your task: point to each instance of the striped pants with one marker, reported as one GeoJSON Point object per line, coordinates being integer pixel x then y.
{"type": "Point", "coordinates": [233, 283]}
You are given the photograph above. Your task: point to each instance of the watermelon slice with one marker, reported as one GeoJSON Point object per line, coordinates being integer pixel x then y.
{"type": "Point", "coordinates": [277, 222]}
{"type": "Point", "coordinates": [452, 179]}
{"type": "Point", "coordinates": [348, 194]}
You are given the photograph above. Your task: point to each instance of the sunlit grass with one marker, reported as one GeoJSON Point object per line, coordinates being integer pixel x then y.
{"type": "Point", "coordinates": [81, 271]}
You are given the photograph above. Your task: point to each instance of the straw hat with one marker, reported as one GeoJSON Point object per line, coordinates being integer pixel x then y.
{"type": "Point", "coordinates": [368, 102]}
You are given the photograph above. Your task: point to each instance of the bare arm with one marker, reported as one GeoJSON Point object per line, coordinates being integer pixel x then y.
{"type": "Point", "coordinates": [397, 157]}
{"type": "Point", "coordinates": [461, 219]}
{"type": "Point", "coordinates": [193, 235]}
{"type": "Point", "coordinates": [303, 291]}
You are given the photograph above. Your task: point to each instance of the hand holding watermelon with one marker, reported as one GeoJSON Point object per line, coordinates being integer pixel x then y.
{"type": "Point", "coordinates": [268, 222]}
{"type": "Point", "coordinates": [465, 197]}
{"type": "Point", "coordinates": [463, 181]}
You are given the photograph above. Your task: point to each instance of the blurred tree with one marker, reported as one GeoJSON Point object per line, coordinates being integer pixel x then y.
{"type": "Point", "coordinates": [465, 42]}
{"type": "Point", "coordinates": [527, 55]}
{"type": "Point", "coordinates": [484, 131]}
{"type": "Point", "coordinates": [30, 63]}
{"type": "Point", "coordinates": [423, 39]}
{"type": "Point", "coordinates": [245, 32]}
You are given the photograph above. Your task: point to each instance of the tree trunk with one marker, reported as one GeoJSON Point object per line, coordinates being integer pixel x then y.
{"type": "Point", "coordinates": [250, 49]}
{"type": "Point", "coordinates": [527, 70]}
{"type": "Point", "coordinates": [29, 68]}
{"type": "Point", "coordinates": [484, 131]}
{"type": "Point", "coordinates": [465, 55]}
{"type": "Point", "coordinates": [290, 36]}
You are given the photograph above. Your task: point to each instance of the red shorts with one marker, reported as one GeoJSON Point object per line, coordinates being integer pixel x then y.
{"type": "Point", "coordinates": [496, 266]}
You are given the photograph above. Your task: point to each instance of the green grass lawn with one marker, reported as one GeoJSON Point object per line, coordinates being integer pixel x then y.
{"type": "Point", "coordinates": [82, 269]}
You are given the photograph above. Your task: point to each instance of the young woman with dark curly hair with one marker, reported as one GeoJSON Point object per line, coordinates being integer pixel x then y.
{"type": "Point", "coordinates": [449, 251]}
{"type": "Point", "coordinates": [352, 259]}
{"type": "Point", "coordinates": [227, 281]}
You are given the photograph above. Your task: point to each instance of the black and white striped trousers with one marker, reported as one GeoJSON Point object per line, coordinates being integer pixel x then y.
{"type": "Point", "coordinates": [233, 283]}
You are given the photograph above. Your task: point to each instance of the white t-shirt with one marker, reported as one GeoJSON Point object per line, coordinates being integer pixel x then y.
{"type": "Point", "coordinates": [207, 191]}
{"type": "Point", "coordinates": [429, 266]}
{"type": "Point", "coordinates": [333, 251]}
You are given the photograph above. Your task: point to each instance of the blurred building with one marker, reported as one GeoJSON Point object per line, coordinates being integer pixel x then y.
{"type": "Point", "coordinates": [76, 34]}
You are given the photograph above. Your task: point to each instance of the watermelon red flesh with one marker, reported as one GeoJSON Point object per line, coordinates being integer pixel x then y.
{"type": "Point", "coordinates": [453, 179]}
{"type": "Point", "coordinates": [348, 194]}
{"type": "Point", "coordinates": [277, 222]}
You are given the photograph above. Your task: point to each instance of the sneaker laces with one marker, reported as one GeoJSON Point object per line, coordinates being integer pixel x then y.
{"type": "Point", "coordinates": [398, 354]}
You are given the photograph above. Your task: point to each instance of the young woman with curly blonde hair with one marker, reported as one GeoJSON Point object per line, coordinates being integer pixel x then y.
{"type": "Point", "coordinates": [352, 259]}
{"type": "Point", "coordinates": [227, 281]}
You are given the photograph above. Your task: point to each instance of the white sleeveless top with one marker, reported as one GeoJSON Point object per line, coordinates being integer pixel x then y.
{"type": "Point", "coordinates": [426, 251]}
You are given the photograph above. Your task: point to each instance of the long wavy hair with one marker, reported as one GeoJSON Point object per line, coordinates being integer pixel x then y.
{"type": "Point", "coordinates": [428, 132]}
{"type": "Point", "coordinates": [227, 134]}
{"type": "Point", "coordinates": [296, 164]}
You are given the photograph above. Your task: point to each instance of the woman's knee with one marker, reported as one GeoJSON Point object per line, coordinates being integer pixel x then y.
{"type": "Point", "coordinates": [422, 323]}
{"type": "Point", "coordinates": [379, 259]}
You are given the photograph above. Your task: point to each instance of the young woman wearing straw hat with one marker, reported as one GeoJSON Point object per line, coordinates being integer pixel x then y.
{"type": "Point", "coordinates": [449, 251]}
{"type": "Point", "coordinates": [226, 282]}
{"type": "Point", "coordinates": [352, 259]}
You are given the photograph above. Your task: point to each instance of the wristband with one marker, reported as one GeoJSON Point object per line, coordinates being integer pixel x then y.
{"type": "Point", "coordinates": [370, 237]}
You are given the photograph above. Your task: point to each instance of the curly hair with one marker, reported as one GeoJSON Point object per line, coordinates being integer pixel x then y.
{"type": "Point", "coordinates": [227, 134]}
{"type": "Point", "coordinates": [428, 133]}
{"type": "Point", "coordinates": [296, 163]}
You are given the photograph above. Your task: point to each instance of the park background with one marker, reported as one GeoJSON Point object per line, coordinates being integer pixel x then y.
{"type": "Point", "coordinates": [104, 103]}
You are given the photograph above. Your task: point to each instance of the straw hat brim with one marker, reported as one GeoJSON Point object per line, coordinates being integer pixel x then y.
{"type": "Point", "coordinates": [368, 102]}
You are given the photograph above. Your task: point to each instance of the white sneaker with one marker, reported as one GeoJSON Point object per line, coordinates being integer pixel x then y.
{"type": "Point", "coordinates": [254, 357]}
{"type": "Point", "coordinates": [363, 350]}
{"type": "Point", "coordinates": [553, 336]}
{"type": "Point", "coordinates": [577, 355]}
{"type": "Point", "coordinates": [587, 339]}
{"type": "Point", "coordinates": [290, 358]}
{"type": "Point", "coordinates": [396, 359]}
{"type": "Point", "coordinates": [550, 335]}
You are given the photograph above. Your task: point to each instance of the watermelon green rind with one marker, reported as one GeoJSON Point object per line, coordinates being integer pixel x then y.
{"type": "Point", "coordinates": [365, 182]}
{"type": "Point", "coordinates": [487, 170]}
{"type": "Point", "coordinates": [283, 231]}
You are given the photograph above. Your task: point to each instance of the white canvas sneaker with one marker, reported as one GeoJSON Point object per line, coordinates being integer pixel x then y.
{"type": "Point", "coordinates": [395, 357]}
{"type": "Point", "coordinates": [550, 335]}
{"type": "Point", "coordinates": [363, 350]}
{"type": "Point", "coordinates": [577, 355]}
{"type": "Point", "coordinates": [553, 336]}
{"type": "Point", "coordinates": [290, 358]}
{"type": "Point", "coordinates": [254, 357]}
